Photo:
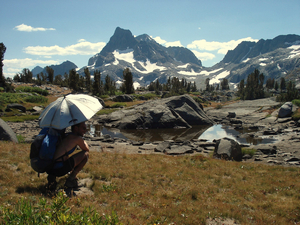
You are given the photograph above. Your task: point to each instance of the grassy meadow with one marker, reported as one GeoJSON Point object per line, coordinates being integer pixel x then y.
{"type": "Point", "coordinates": [151, 189]}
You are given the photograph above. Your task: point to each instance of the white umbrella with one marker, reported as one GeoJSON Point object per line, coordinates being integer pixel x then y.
{"type": "Point", "coordinates": [69, 110]}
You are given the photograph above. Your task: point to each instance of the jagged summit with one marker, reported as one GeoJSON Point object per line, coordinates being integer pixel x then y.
{"type": "Point", "coordinates": [121, 40]}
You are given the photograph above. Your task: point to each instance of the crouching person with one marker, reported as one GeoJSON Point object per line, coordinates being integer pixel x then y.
{"type": "Point", "coordinates": [69, 164]}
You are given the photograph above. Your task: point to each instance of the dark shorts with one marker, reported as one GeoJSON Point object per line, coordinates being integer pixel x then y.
{"type": "Point", "coordinates": [62, 168]}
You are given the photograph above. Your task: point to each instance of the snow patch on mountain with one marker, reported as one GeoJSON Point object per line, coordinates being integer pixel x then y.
{"type": "Point", "coordinates": [183, 66]}
{"type": "Point", "coordinates": [246, 60]}
{"type": "Point", "coordinates": [295, 52]}
{"type": "Point", "coordinates": [127, 56]}
{"type": "Point", "coordinates": [150, 67]}
{"type": "Point", "coordinates": [263, 59]}
{"type": "Point", "coordinates": [220, 76]}
{"type": "Point", "coordinates": [189, 73]}
{"type": "Point", "coordinates": [246, 55]}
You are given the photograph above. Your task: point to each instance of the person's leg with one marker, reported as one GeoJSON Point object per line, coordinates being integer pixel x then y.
{"type": "Point", "coordinates": [80, 159]}
{"type": "Point", "coordinates": [51, 182]}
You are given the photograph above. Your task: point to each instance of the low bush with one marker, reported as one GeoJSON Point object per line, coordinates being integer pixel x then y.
{"type": "Point", "coordinates": [36, 99]}
{"type": "Point", "coordinates": [32, 89]}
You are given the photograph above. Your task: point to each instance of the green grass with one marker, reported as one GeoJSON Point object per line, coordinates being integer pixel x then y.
{"type": "Point", "coordinates": [118, 105]}
{"type": "Point", "coordinates": [146, 96]}
{"type": "Point", "coordinates": [19, 118]}
{"type": "Point", "coordinates": [106, 111]}
{"type": "Point", "coordinates": [20, 138]}
{"type": "Point", "coordinates": [21, 98]}
{"type": "Point", "coordinates": [248, 151]}
{"type": "Point", "coordinates": [32, 89]}
{"type": "Point", "coordinates": [151, 189]}
{"type": "Point", "coordinates": [41, 211]}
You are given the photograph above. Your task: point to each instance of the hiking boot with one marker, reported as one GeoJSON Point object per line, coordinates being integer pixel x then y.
{"type": "Point", "coordinates": [71, 183]}
{"type": "Point", "coordinates": [51, 182]}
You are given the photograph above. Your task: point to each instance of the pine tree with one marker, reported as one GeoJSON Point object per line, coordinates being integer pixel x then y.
{"type": "Point", "coordinates": [282, 84]}
{"type": "Point", "coordinates": [2, 78]}
{"type": "Point", "coordinates": [128, 82]}
{"type": "Point", "coordinates": [276, 86]}
{"type": "Point", "coordinates": [74, 80]}
{"type": "Point", "coordinates": [254, 86]}
{"type": "Point", "coordinates": [241, 89]}
{"type": "Point", "coordinates": [224, 84]}
{"type": "Point", "coordinates": [50, 73]}
{"type": "Point", "coordinates": [97, 83]}
{"type": "Point", "coordinates": [87, 79]}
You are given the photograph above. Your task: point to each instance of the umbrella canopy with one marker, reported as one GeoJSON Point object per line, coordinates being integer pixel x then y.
{"type": "Point", "coordinates": [69, 110]}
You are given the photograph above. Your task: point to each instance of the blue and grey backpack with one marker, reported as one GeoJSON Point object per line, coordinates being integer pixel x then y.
{"type": "Point", "coordinates": [43, 149]}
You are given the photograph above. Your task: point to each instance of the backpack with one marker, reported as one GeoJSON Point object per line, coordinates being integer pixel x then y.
{"type": "Point", "coordinates": [43, 148]}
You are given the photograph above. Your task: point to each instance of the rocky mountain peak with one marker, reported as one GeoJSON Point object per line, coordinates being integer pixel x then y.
{"type": "Point", "coordinates": [248, 49]}
{"type": "Point", "coordinates": [144, 37]}
{"type": "Point", "coordinates": [121, 40]}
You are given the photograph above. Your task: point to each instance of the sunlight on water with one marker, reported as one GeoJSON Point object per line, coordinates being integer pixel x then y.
{"type": "Point", "coordinates": [215, 132]}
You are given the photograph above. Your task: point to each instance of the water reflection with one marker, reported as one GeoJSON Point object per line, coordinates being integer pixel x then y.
{"type": "Point", "coordinates": [209, 133]}
{"type": "Point", "coordinates": [220, 131]}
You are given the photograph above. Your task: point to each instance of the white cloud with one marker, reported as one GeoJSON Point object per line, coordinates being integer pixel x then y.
{"type": "Point", "coordinates": [83, 47]}
{"type": "Point", "coordinates": [13, 66]}
{"type": "Point", "coordinates": [19, 64]}
{"type": "Point", "coordinates": [166, 43]}
{"type": "Point", "coordinates": [204, 56]}
{"type": "Point", "coordinates": [26, 28]}
{"type": "Point", "coordinates": [159, 40]}
{"type": "Point", "coordinates": [221, 47]}
{"type": "Point", "coordinates": [174, 44]}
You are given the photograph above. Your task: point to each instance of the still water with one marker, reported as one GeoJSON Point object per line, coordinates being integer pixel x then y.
{"type": "Point", "coordinates": [209, 133]}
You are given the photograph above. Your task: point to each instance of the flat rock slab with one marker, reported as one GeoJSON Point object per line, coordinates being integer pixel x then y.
{"type": "Point", "coordinates": [82, 190]}
{"type": "Point", "coordinates": [178, 150]}
{"type": "Point", "coordinates": [147, 147]}
{"type": "Point", "coordinates": [244, 107]}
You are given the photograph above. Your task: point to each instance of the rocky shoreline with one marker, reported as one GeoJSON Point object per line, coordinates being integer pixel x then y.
{"type": "Point", "coordinates": [252, 115]}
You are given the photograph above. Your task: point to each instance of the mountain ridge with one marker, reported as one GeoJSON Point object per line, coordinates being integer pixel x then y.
{"type": "Point", "coordinates": [148, 60]}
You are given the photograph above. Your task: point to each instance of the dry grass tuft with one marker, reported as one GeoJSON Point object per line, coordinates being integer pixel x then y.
{"type": "Point", "coordinates": [152, 189]}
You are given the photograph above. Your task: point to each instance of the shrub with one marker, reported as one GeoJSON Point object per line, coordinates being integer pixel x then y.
{"type": "Point", "coordinates": [219, 106]}
{"type": "Point", "coordinates": [118, 105]}
{"type": "Point", "coordinates": [296, 115]}
{"type": "Point", "coordinates": [296, 102]}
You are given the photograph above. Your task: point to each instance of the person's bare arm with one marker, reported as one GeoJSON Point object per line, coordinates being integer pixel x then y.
{"type": "Point", "coordinates": [82, 144]}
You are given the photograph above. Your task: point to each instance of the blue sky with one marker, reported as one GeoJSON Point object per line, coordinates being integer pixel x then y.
{"type": "Point", "coordinates": [40, 32]}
